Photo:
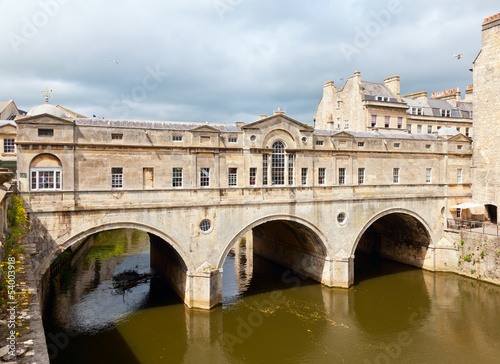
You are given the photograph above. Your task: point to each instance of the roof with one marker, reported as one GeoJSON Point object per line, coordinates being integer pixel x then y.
{"type": "Point", "coordinates": [47, 109]}
{"type": "Point", "coordinates": [376, 89]}
{"type": "Point", "coordinates": [373, 134]}
{"type": "Point", "coordinates": [426, 109]}
{"type": "Point", "coordinates": [447, 131]}
{"type": "Point", "coordinates": [150, 124]}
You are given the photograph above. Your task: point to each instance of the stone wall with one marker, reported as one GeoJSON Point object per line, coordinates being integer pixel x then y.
{"type": "Point", "coordinates": [486, 159]}
{"type": "Point", "coordinates": [476, 255]}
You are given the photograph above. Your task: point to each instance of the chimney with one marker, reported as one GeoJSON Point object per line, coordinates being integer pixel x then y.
{"type": "Point", "coordinates": [469, 93]}
{"type": "Point", "coordinates": [262, 116]}
{"type": "Point", "coordinates": [453, 95]}
{"type": "Point", "coordinates": [393, 84]}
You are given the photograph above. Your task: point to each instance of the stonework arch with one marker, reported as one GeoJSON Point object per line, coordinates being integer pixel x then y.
{"type": "Point", "coordinates": [78, 238]}
{"type": "Point", "coordinates": [279, 135]}
{"type": "Point", "coordinates": [45, 160]}
{"type": "Point", "coordinates": [270, 218]}
{"type": "Point", "coordinates": [383, 213]}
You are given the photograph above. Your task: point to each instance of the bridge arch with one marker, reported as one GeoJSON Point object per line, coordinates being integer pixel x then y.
{"type": "Point", "coordinates": [290, 241]}
{"type": "Point", "coordinates": [397, 223]}
{"type": "Point", "coordinates": [80, 237]}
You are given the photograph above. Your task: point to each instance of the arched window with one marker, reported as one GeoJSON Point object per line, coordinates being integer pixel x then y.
{"type": "Point", "coordinates": [45, 173]}
{"type": "Point", "coordinates": [278, 164]}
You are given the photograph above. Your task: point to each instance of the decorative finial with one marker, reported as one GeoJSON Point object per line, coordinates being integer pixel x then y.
{"type": "Point", "coordinates": [47, 91]}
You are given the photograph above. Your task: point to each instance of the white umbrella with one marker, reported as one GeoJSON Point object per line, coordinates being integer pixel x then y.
{"type": "Point", "coordinates": [466, 205]}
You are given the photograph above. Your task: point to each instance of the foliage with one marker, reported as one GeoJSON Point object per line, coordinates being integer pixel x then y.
{"type": "Point", "coordinates": [17, 218]}
{"type": "Point", "coordinates": [468, 258]}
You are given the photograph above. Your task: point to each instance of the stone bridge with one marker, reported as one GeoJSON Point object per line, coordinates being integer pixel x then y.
{"type": "Point", "coordinates": [313, 230]}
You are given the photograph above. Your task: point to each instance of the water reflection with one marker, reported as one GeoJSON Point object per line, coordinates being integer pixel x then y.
{"type": "Point", "coordinates": [269, 313]}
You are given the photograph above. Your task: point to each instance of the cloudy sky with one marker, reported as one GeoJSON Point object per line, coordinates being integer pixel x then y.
{"type": "Point", "coordinates": [228, 60]}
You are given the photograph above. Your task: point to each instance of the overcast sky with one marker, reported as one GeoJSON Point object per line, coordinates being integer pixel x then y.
{"type": "Point", "coordinates": [228, 60]}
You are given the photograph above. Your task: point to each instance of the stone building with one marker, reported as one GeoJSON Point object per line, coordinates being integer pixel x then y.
{"type": "Point", "coordinates": [486, 160]}
{"type": "Point", "coordinates": [368, 106]}
{"type": "Point", "coordinates": [61, 153]}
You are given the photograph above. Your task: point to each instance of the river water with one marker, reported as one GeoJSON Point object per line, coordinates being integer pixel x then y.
{"type": "Point", "coordinates": [394, 313]}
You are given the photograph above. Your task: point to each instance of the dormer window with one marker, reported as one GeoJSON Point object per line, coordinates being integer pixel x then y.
{"type": "Point", "coordinates": [232, 139]}
{"type": "Point", "coordinates": [416, 111]}
{"type": "Point", "coordinates": [320, 143]}
{"type": "Point", "coordinates": [177, 138]}
{"type": "Point", "coordinates": [383, 98]}
{"type": "Point", "coordinates": [445, 113]}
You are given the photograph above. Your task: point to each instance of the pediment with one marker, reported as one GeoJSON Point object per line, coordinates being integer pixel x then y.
{"type": "Point", "coordinates": [205, 129]}
{"type": "Point", "coordinates": [8, 129]}
{"type": "Point", "coordinates": [460, 138]}
{"type": "Point", "coordinates": [273, 120]}
{"type": "Point", "coordinates": [44, 119]}
{"type": "Point", "coordinates": [343, 134]}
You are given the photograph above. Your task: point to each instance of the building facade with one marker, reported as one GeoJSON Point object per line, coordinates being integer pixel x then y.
{"type": "Point", "coordinates": [486, 163]}
{"type": "Point", "coordinates": [368, 106]}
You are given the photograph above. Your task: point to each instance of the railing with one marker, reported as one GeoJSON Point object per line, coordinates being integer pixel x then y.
{"type": "Point", "coordinates": [474, 226]}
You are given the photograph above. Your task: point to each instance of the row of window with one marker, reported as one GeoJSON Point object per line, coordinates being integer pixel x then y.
{"type": "Point", "coordinates": [177, 177]}
{"type": "Point", "coordinates": [50, 178]}
{"type": "Point", "coordinates": [420, 129]}
{"type": "Point", "coordinates": [387, 121]}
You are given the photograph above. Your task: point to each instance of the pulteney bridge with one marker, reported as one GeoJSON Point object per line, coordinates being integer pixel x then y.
{"type": "Point", "coordinates": [310, 198]}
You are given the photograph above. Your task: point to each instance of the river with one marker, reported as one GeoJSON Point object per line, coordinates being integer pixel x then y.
{"type": "Point", "coordinates": [394, 313]}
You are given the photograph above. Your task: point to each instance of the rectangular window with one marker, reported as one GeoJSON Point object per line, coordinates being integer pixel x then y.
{"type": "Point", "coordinates": [232, 140]}
{"type": "Point", "coordinates": [400, 122]}
{"type": "Point", "coordinates": [445, 113]}
{"type": "Point", "coordinates": [205, 139]}
{"type": "Point", "coordinates": [361, 144]}
{"type": "Point", "coordinates": [346, 124]}
{"type": "Point", "coordinates": [459, 147]}
{"type": "Point", "coordinates": [341, 176]}
{"type": "Point", "coordinates": [116, 136]}
{"type": "Point", "coordinates": [291, 165]}
{"type": "Point", "coordinates": [408, 127]}
{"type": "Point", "coordinates": [395, 175]}
{"type": "Point", "coordinates": [397, 145]}
{"type": "Point", "coordinates": [232, 177]}
{"type": "Point", "coordinates": [428, 175]}
{"type": "Point", "coordinates": [459, 175]}
{"type": "Point", "coordinates": [320, 143]}
{"type": "Point", "coordinates": [253, 176]}
{"type": "Point", "coordinates": [204, 177]}
{"type": "Point", "coordinates": [419, 129]}
{"type": "Point", "coordinates": [459, 213]}
{"type": "Point", "coordinates": [387, 121]}
{"type": "Point", "coordinates": [416, 111]}
{"type": "Point", "coordinates": [176, 177]}
{"type": "Point", "coordinates": [321, 176]}
{"type": "Point", "coordinates": [46, 179]}
{"type": "Point", "coordinates": [429, 129]}
{"type": "Point", "coordinates": [467, 133]}
{"type": "Point", "coordinates": [265, 165]}
{"type": "Point", "coordinates": [338, 123]}
{"type": "Point", "coordinates": [374, 120]}
{"type": "Point", "coordinates": [427, 146]}
{"type": "Point", "coordinates": [177, 138]}
{"type": "Point", "coordinates": [8, 146]}
{"type": "Point", "coordinates": [339, 104]}
{"type": "Point", "coordinates": [361, 176]}
{"type": "Point", "coordinates": [304, 176]}
{"type": "Point", "coordinates": [116, 177]}
{"type": "Point", "coordinates": [382, 98]}
{"type": "Point", "coordinates": [46, 132]}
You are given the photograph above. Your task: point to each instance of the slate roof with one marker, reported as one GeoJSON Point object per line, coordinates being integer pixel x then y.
{"type": "Point", "coordinates": [376, 89]}
{"type": "Point", "coordinates": [149, 124]}
{"type": "Point", "coordinates": [374, 134]}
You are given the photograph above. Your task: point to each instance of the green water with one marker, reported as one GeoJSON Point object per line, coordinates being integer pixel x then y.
{"type": "Point", "coordinates": [393, 314]}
